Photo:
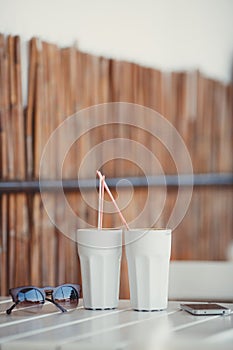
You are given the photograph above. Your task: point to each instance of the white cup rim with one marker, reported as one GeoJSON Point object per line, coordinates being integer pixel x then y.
{"type": "Point", "coordinates": [99, 229]}
{"type": "Point", "coordinates": [149, 229]}
{"type": "Point", "coordinates": [99, 239]}
{"type": "Point", "coordinates": [133, 235]}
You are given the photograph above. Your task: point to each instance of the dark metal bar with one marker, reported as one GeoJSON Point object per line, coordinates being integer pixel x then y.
{"type": "Point", "coordinates": [210, 179]}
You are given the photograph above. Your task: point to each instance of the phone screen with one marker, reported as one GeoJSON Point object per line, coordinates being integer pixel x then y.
{"type": "Point", "coordinates": [208, 306]}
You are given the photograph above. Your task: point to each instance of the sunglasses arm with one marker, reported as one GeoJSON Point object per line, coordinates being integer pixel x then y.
{"type": "Point", "coordinates": [57, 305]}
{"type": "Point", "coordinates": [8, 311]}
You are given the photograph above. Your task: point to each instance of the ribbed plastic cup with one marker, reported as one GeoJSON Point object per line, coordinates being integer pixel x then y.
{"type": "Point", "coordinates": [148, 255]}
{"type": "Point", "coordinates": [100, 258]}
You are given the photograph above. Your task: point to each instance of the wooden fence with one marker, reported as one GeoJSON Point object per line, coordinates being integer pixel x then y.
{"type": "Point", "coordinates": [62, 81]}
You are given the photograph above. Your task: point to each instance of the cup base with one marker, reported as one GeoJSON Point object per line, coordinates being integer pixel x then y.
{"type": "Point", "coordinates": [99, 308]}
{"type": "Point", "coordinates": [145, 310]}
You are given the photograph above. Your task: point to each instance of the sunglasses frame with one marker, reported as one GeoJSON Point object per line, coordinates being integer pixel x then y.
{"type": "Point", "coordinates": [48, 290]}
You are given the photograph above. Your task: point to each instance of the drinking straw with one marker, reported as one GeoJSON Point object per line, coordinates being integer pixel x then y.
{"type": "Point", "coordinates": [99, 206]}
{"type": "Point", "coordinates": [112, 198]}
{"type": "Point", "coordinates": [101, 202]}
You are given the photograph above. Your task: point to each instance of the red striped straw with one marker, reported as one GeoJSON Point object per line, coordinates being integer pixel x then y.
{"type": "Point", "coordinates": [112, 198]}
{"type": "Point", "coordinates": [101, 203]}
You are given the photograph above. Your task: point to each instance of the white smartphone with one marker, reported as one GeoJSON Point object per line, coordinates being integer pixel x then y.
{"type": "Point", "coordinates": [205, 309]}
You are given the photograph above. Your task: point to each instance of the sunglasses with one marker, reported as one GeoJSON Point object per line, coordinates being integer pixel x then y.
{"type": "Point", "coordinates": [65, 296]}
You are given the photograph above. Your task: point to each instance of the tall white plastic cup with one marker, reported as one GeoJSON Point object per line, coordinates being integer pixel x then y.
{"type": "Point", "coordinates": [100, 258]}
{"type": "Point", "coordinates": [148, 255]}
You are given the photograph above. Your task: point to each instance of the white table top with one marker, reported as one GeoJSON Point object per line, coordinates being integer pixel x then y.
{"type": "Point", "coordinates": [117, 329]}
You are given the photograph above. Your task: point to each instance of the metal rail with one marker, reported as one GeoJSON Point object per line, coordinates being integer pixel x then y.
{"type": "Point", "coordinates": [209, 179]}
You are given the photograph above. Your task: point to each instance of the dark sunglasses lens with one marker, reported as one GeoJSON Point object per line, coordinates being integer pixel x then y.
{"type": "Point", "coordinates": [30, 297]}
{"type": "Point", "coordinates": [66, 296]}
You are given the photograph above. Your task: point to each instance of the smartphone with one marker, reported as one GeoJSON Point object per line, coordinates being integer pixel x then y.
{"type": "Point", "coordinates": [205, 309]}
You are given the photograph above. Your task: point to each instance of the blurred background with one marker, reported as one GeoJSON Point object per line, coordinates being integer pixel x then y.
{"type": "Point", "coordinates": [57, 58]}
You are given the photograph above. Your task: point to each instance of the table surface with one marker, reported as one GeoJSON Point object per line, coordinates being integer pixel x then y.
{"type": "Point", "coordinates": [122, 328]}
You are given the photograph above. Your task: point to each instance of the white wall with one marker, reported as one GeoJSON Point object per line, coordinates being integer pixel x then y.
{"type": "Point", "coordinates": [166, 34]}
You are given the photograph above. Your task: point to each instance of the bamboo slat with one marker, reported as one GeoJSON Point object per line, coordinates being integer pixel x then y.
{"type": "Point", "coordinates": [11, 209]}
{"type": "Point", "coordinates": [60, 211]}
{"type": "Point", "coordinates": [30, 106]}
{"type": "Point", "coordinates": [48, 236]}
{"type": "Point", "coordinates": [4, 106]}
{"type": "Point", "coordinates": [11, 146]}
{"type": "Point", "coordinates": [36, 257]}
{"type": "Point", "coordinates": [3, 230]}
{"type": "Point", "coordinates": [71, 171]}
{"type": "Point", "coordinates": [156, 91]}
{"type": "Point", "coordinates": [142, 97]}
{"type": "Point", "coordinates": [22, 232]}
{"type": "Point", "coordinates": [35, 243]}
{"type": "Point", "coordinates": [3, 245]}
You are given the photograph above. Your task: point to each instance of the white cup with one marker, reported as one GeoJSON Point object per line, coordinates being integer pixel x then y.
{"type": "Point", "coordinates": [100, 258]}
{"type": "Point", "coordinates": [148, 254]}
